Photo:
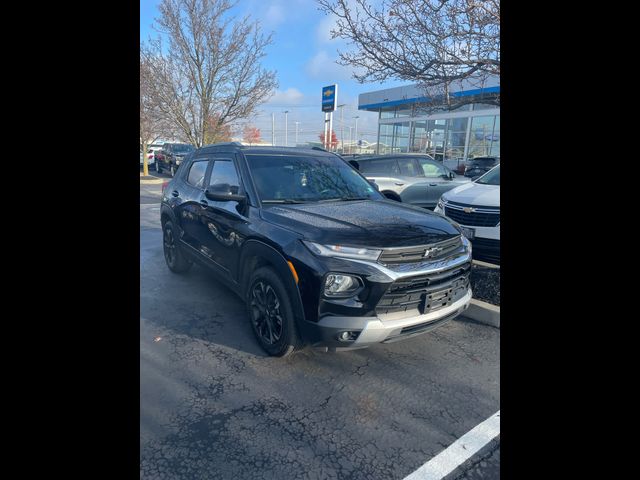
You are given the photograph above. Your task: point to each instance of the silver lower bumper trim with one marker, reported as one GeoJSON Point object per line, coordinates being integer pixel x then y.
{"type": "Point", "coordinates": [380, 328]}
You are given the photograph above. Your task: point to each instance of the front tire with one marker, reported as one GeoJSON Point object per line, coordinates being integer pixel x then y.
{"type": "Point", "coordinates": [173, 255]}
{"type": "Point", "coordinates": [271, 314]}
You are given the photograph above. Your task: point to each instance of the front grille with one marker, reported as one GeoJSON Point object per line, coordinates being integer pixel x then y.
{"type": "Point", "coordinates": [482, 217]}
{"type": "Point", "coordinates": [487, 249]}
{"type": "Point", "coordinates": [426, 293]}
{"type": "Point", "coordinates": [397, 256]}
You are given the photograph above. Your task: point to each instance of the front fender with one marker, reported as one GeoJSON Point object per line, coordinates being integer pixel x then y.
{"type": "Point", "coordinates": [261, 250]}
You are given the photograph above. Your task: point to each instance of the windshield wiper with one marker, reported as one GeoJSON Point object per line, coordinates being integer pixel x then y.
{"type": "Point", "coordinates": [343, 199]}
{"type": "Point", "coordinates": [282, 200]}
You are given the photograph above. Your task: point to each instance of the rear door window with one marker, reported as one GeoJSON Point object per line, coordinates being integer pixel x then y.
{"type": "Point", "coordinates": [380, 166]}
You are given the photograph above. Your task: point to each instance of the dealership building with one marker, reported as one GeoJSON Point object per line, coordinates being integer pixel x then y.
{"type": "Point", "coordinates": [409, 123]}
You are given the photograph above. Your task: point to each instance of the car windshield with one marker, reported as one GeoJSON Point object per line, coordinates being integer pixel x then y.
{"type": "Point", "coordinates": [492, 177]}
{"type": "Point", "coordinates": [293, 178]}
{"type": "Point", "coordinates": [182, 148]}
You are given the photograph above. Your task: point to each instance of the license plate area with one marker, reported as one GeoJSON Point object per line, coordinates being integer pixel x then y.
{"type": "Point", "coordinates": [432, 301]}
{"type": "Point", "coordinates": [470, 233]}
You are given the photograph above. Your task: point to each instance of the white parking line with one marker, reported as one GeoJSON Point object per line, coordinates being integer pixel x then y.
{"type": "Point", "coordinates": [459, 451]}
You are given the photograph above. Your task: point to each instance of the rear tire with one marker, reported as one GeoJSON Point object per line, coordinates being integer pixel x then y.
{"type": "Point", "coordinates": [271, 313]}
{"type": "Point", "coordinates": [173, 254]}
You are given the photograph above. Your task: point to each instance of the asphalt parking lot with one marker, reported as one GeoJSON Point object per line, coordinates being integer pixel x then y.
{"type": "Point", "coordinates": [214, 406]}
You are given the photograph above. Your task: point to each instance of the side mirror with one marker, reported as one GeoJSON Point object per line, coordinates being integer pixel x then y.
{"type": "Point", "coordinates": [355, 164]}
{"type": "Point", "coordinates": [223, 192]}
{"type": "Point", "coordinates": [375, 185]}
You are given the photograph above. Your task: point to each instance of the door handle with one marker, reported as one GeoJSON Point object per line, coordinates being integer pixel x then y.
{"type": "Point", "coordinates": [175, 193]}
{"type": "Point", "coordinates": [204, 203]}
{"type": "Point", "coordinates": [399, 184]}
{"type": "Point", "coordinates": [433, 184]}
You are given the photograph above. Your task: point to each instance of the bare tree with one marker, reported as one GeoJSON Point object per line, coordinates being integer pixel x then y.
{"type": "Point", "coordinates": [153, 122]}
{"type": "Point", "coordinates": [209, 75]}
{"type": "Point", "coordinates": [431, 42]}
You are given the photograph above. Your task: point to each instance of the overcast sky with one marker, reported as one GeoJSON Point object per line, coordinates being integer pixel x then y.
{"type": "Point", "coordinates": [303, 56]}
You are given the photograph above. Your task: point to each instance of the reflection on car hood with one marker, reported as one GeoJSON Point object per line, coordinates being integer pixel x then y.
{"type": "Point", "coordinates": [475, 194]}
{"type": "Point", "coordinates": [367, 223]}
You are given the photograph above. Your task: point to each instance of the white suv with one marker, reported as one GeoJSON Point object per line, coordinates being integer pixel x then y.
{"type": "Point", "coordinates": [476, 207]}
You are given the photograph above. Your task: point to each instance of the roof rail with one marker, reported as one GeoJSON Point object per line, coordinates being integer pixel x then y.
{"type": "Point", "coordinates": [223, 144]}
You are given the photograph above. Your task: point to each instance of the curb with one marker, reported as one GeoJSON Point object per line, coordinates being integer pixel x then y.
{"type": "Point", "coordinates": [483, 312]}
{"type": "Point", "coordinates": [485, 264]}
{"type": "Point", "coordinates": [157, 181]}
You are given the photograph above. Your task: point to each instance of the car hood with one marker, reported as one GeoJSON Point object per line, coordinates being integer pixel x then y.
{"type": "Point", "coordinates": [366, 223]}
{"type": "Point", "coordinates": [475, 194]}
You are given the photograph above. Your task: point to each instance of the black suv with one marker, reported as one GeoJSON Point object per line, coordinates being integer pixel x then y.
{"type": "Point", "coordinates": [320, 257]}
{"type": "Point", "coordinates": [479, 166]}
{"type": "Point", "coordinates": [171, 155]}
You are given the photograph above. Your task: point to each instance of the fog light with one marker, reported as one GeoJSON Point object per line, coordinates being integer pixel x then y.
{"type": "Point", "coordinates": [348, 336]}
{"type": "Point", "coordinates": [337, 285]}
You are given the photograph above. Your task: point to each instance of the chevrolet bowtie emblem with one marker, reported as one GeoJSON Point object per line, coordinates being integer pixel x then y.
{"type": "Point", "coordinates": [328, 93]}
{"type": "Point", "coordinates": [432, 251]}
{"type": "Point", "coordinates": [469, 209]}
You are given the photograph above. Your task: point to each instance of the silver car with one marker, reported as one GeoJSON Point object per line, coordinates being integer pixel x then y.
{"type": "Point", "coordinates": [417, 179]}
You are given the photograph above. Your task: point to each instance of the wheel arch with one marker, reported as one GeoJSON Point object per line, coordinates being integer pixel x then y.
{"type": "Point", "coordinates": [391, 195]}
{"type": "Point", "coordinates": [256, 254]}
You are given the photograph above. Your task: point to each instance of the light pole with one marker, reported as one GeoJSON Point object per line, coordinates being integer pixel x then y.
{"type": "Point", "coordinates": [286, 123]}
{"type": "Point", "coordinates": [273, 129]}
{"type": "Point", "coordinates": [356, 117]}
{"type": "Point", "coordinates": [350, 138]}
{"type": "Point", "coordinates": [342, 125]}
{"type": "Point", "coordinates": [297, 133]}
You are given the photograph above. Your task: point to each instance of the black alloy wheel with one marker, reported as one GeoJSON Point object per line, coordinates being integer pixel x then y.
{"type": "Point", "coordinates": [266, 315]}
{"type": "Point", "coordinates": [174, 257]}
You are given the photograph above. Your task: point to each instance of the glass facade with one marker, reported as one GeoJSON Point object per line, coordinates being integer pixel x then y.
{"type": "Point", "coordinates": [469, 131]}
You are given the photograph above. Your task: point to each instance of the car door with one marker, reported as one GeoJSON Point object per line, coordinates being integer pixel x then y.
{"type": "Point", "coordinates": [437, 180]}
{"type": "Point", "coordinates": [187, 192]}
{"type": "Point", "coordinates": [223, 224]}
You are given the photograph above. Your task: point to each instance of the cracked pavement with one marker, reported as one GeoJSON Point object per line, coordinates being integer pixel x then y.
{"type": "Point", "coordinates": [214, 406]}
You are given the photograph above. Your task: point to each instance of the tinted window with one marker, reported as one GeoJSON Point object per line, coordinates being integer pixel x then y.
{"type": "Point", "coordinates": [409, 167]}
{"type": "Point", "coordinates": [182, 148]}
{"type": "Point", "coordinates": [196, 173]}
{"type": "Point", "coordinates": [224, 172]}
{"type": "Point", "coordinates": [382, 166]}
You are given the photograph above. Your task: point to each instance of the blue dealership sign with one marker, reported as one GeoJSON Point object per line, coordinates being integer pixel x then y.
{"type": "Point", "coordinates": [329, 98]}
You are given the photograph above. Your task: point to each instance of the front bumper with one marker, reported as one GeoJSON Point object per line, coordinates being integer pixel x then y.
{"type": "Point", "coordinates": [386, 330]}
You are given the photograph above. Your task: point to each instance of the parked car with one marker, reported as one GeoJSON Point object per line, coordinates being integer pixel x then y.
{"type": "Point", "coordinates": [476, 207]}
{"type": "Point", "coordinates": [170, 156]}
{"type": "Point", "coordinates": [410, 178]}
{"type": "Point", "coordinates": [317, 254]}
{"type": "Point", "coordinates": [150, 157]}
{"type": "Point", "coordinates": [479, 166]}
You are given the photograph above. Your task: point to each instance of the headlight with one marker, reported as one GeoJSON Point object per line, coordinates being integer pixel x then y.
{"type": "Point", "coordinates": [339, 285]}
{"type": "Point", "coordinates": [343, 252]}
